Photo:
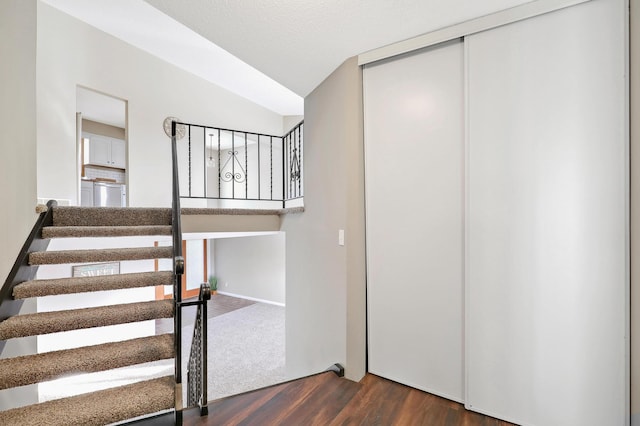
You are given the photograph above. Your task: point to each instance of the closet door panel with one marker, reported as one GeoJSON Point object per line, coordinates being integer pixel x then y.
{"type": "Point", "coordinates": [547, 255]}
{"type": "Point", "coordinates": [414, 121]}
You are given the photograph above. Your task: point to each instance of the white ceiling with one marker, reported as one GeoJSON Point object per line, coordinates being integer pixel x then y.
{"type": "Point", "coordinates": [272, 52]}
{"type": "Point", "coordinates": [145, 27]}
{"type": "Point", "coordinates": [300, 42]}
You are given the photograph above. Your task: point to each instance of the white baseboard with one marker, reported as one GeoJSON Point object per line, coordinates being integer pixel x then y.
{"type": "Point", "coordinates": [240, 296]}
{"type": "Point", "coordinates": [61, 202]}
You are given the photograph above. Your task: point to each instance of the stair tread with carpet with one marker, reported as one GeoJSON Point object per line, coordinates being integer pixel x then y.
{"type": "Point", "coordinates": [111, 216]}
{"type": "Point", "coordinates": [104, 231]}
{"type": "Point", "coordinates": [39, 288]}
{"type": "Point", "coordinates": [98, 408]}
{"type": "Point", "coordinates": [74, 312]}
{"type": "Point", "coordinates": [29, 369]}
{"type": "Point", "coordinates": [99, 255]}
{"type": "Point", "coordinates": [75, 319]}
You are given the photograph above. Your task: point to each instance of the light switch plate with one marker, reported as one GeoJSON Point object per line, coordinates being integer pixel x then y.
{"type": "Point", "coordinates": [340, 237]}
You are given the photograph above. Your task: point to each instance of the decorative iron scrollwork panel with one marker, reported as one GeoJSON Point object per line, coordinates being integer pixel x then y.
{"type": "Point", "coordinates": [232, 175]}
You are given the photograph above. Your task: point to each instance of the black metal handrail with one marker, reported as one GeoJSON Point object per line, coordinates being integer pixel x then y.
{"type": "Point", "coordinates": [178, 268]}
{"type": "Point", "coordinates": [227, 164]}
{"type": "Point", "coordinates": [197, 367]}
{"type": "Point", "coordinates": [21, 270]}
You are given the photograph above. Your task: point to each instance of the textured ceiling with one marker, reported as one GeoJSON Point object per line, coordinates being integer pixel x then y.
{"type": "Point", "coordinates": [270, 51]}
{"type": "Point", "coordinates": [299, 43]}
{"type": "Point", "coordinates": [145, 27]}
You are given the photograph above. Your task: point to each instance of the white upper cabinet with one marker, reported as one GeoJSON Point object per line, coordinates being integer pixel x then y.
{"type": "Point", "coordinates": [118, 154]}
{"type": "Point", "coordinates": [106, 151]}
{"type": "Point", "coordinates": [99, 150]}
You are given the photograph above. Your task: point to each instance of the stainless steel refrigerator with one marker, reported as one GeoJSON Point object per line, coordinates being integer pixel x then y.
{"type": "Point", "coordinates": [107, 194]}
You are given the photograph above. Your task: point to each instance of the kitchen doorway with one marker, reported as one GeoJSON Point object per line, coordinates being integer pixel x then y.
{"type": "Point", "coordinates": [101, 137]}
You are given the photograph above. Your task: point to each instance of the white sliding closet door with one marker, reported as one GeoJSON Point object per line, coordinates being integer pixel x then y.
{"type": "Point", "coordinates": [414, 137]}
{"type": "Point", "coordinates": [547, 250]}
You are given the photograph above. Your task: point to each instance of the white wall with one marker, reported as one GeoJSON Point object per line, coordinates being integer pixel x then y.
{"type": "Point", "coordinates": [17, 117]}
{"type": "Point", "coordinates": [252, 267]}
{"type": "Point", "coordinates": [72, 53]}
{"type": "Point", "coordinates": [18, 160]}
{"type": "Point", "coordinates": [325, 320]}
{"type": "Point", "coordinates": [290, 121]}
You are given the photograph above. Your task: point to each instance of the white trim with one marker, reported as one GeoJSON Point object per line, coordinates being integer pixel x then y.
{"type": "Point", "coordinates": [60, 201]}
{"type": "Point", "coordinates": [627, 173]}
{"type": "Point", "coordinates": [466, 355]}
{"type": "Point", "coordinates": [417, 386]}
{"type": "Point", "coordinates": [255, 299]}
{"type": "Point", "coordinates": [483, 23]}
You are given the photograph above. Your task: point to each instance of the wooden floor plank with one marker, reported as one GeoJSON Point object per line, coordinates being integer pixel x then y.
{"type": "Point", "coordinates": [326, 402]}
{"type": "Point", "coordinates": [359, 406]}
{"type": "Point", "coordinates": [279, 407]}
{"type": "Point", "coordinates": [416, 409]}
{"type": "Point", "coordinates": [257, 407]}
{"type": "Point", "coordinates": [325, 399]}
{"type": "Point", "coordinates": [234, 410]}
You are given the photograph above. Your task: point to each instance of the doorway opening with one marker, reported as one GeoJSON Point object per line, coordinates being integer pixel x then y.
{"type": "Point", "coordinates": [246, 316]}
{"type": "Point", "coordinates": [101, 133]}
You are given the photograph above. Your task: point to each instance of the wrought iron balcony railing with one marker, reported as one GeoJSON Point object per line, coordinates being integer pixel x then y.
{"type": "Point", "coordinates": [222, 166]}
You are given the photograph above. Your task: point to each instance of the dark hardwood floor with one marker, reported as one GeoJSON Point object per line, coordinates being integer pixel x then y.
{"type": "Point", "coordinates": [218, 305]}
{"type": "Point", "coordinates": [326, 399]}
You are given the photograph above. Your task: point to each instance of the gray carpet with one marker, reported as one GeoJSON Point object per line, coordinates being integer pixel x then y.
{"type": "Point", "coordinates": [116, 216]}
{"type": "Point", "coordinates": [188, 211]}
{"type": "Point", "coordinates": [246, 350]}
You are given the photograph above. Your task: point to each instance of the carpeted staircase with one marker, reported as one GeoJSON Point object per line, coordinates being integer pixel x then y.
{"type": "Point", "coordinates": [111, 405]}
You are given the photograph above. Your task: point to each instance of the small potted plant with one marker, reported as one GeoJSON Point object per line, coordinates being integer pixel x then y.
{"type": "Point", "coordinates": [213, 282]}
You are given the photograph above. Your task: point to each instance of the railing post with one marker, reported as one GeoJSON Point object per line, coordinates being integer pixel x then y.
{"type": "Point", "coordinates": [284, 173]}
{"type": "Point", "coordinates": [206, 295]}
{"type": "Point", "coordinates": [299, 162]}
{"type": "Point", "coordinates": [178, 264]}
{"type": "Point", "coordinates": [246, 168]}
{"type": "Point", "coordinates": [197, 365]}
